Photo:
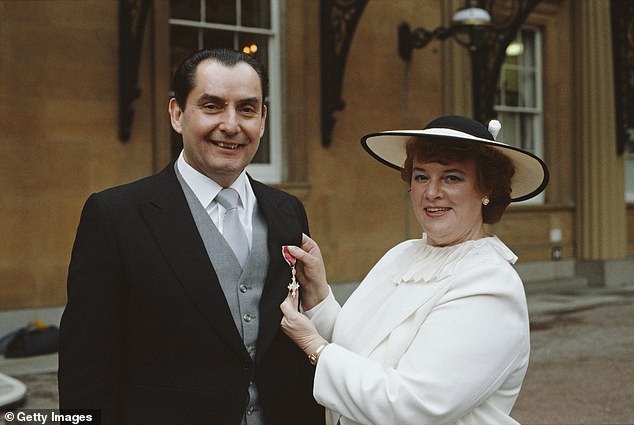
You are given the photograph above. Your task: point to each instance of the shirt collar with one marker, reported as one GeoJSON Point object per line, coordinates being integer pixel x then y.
{"type": "Point", "coordinates": [205, 188]}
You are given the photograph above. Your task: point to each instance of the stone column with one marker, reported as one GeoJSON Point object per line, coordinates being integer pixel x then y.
{"type": "Point", "coordinates": [601, 226]}
{"type": "Point", "coordinates": [456, 67]}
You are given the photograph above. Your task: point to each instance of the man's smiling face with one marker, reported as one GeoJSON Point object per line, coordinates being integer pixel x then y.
{"type": "Point", "coordinates": [223, 120]}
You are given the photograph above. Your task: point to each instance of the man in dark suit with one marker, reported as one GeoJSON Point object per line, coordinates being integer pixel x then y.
{"type": "Point", "coordinates": [166, 321]}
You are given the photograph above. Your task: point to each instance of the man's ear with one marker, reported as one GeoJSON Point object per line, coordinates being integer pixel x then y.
{"type": "Point", "coordinates": [176, 113]}
{"type": "Point", "coordinates": [263, 126]}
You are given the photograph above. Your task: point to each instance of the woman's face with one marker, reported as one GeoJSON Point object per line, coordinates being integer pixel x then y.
{"type": "Point", "coordinates": [446, 201]}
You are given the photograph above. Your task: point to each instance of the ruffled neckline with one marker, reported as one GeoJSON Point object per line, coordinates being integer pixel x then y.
{"type": "Point", "coordinates": [428, 263]}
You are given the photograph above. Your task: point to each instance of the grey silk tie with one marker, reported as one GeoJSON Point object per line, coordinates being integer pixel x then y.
{"type": "Point", "coordinates": [232, 228]}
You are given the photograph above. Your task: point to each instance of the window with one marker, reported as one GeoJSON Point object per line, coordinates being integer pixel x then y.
{"type": "Point", "coordinates": [518, 98]}
{"type": "Point", "coordinates": [248, 25]}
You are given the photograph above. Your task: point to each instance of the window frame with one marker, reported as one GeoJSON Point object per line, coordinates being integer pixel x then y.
{"type": "Point", "coordinates": [537, 111]}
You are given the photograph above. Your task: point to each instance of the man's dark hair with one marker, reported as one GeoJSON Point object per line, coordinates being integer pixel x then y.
{"type": "Point", "coordinates": [185, 76]}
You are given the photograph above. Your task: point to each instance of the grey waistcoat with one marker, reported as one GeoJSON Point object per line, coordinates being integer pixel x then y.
{"type": "Point", "coordinates": [242, 288]}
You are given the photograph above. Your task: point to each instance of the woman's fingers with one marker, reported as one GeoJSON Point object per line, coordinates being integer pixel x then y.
{"type": "Point", "coordinates": [290, 304]}
{"type": "Point", "coordinates": [298, 327]}
{"type": "Point", "coordinates": [311, 272]}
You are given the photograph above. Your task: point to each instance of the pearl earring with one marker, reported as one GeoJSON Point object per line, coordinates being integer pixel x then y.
{"type": "Point", "coordinates": [485, 200]}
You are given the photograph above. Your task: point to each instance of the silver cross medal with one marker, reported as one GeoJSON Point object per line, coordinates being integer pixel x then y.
{"type": "Point", "coordinates": [293, 286]}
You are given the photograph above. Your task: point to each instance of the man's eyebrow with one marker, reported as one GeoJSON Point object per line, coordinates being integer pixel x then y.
{"type": "Point", "coordinates": [250, 100]}
{"type": "Point", "coordinates": [206, 97]}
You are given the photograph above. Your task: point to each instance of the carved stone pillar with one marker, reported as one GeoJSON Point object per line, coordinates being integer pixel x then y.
{"type": "Point", "coordinates": [601, 226]}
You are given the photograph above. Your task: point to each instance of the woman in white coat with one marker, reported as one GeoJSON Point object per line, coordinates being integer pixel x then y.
{"type": "Point", "coordinates": [438, 331]}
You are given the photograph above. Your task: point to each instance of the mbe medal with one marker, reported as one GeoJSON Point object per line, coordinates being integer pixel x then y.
{"type": "Point", "coordinates": [291, 262]}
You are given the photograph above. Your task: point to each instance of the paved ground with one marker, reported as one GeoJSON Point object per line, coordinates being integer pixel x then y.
{"type": "Point", "coordinates": [581, 370]}
{"type": "Point", "coordinates": [582, 367]}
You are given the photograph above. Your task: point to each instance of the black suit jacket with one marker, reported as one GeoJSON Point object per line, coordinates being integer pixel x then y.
{"type": "Point", "coordinates": [147, 336]}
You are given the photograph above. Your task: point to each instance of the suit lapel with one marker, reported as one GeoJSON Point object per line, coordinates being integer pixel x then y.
{"type": "Point", "coordinates": [284, 228]}
{"type": "Point", "coordinates": [169, 219]}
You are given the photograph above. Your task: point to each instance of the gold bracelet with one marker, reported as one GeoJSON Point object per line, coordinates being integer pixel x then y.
{"type": "Point", "coordinates": [314, 358]}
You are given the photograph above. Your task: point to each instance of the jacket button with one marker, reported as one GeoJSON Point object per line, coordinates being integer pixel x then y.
{"type": "Point", "coordinates": [243, 288]}
{"type": "Point", "coordinates": [246, 366]}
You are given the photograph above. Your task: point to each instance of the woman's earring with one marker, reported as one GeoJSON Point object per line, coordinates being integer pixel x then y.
{"type": "Point", "coordinates": [485, 200]}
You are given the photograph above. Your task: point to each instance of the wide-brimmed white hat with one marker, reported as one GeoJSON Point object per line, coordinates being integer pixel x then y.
{"type": "Point", "coordinates": [531, 174]}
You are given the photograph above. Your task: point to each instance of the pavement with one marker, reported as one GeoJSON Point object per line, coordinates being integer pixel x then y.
{"type": "Point", "coordinates": [581, 368]}
{"type": "Point", "coordinates": [571, 327]}
{"type": "Point", "coordinates": [545, 301]}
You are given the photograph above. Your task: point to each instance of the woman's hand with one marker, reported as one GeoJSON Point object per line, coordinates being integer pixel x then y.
{"type": "Point", "coordinates": [299, 328]}
{"type": "Point", "coordinates": [311, 272]}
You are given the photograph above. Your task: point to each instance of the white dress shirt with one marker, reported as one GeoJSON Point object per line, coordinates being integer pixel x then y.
{"type": "Point", "coordinates": [206, 190]}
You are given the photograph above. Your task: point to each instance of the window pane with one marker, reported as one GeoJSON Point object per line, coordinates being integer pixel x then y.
{"type": "Point", "coordinates": [528, 48]}
{"type": "Point", "coordinates": [528, 96]}
{"type": "Point", "coordinates": [221, 12]}
{"type": "Point", "coordinates": [255, 45]}
{"type": "Point", "coordinates": [510, 87]}
{"type": "Point", "coordinates": [518, 130]}
{"type": "Point", "coordinates": [509, 128]}
{"type": "Point", "coordinates": [513, 53]}
{"type": "Point", "coordinates": [185, 9]}
{"type": "Point", "coordinates": [256, 13]}
{"type": "Point", "coordinates": [527, 133]}
{"type": "Point", "coordinates": [184, 42]}
{"type": "Point", "coordinates": [213, 39]}
{"type": "Point", "coordinates": [519, 74]}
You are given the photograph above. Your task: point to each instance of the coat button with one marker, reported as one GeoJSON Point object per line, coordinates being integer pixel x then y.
{"type": "Point", "coordinates": [246, 366]}
{"type": "Point", "coordinates": [243, 288]}
{"type": "Point", "coordinates": [248, 317]}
